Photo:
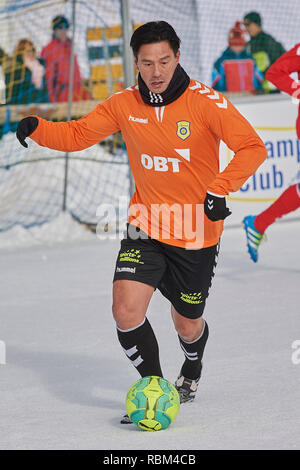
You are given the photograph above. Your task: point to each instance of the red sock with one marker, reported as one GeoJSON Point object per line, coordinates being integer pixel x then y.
{"type": "Point", "coordinates": [287, 202]}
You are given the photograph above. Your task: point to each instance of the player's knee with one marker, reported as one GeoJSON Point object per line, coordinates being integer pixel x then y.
{"type": "Point", "coordinates": [125, 314]}
{"type": "Point", "coordinates": [189, 330]}
{"type": "Point", "coordinates": [121, 310]}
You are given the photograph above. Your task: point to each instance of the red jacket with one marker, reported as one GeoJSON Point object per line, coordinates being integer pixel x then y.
{"type": "Point", "coordinates": [57, 56]}
{"type": "Point", "coordinates": [279, 74]}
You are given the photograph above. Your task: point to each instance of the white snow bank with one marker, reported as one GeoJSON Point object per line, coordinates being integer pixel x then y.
{"type": "Point", "coordinates": [62, 229]}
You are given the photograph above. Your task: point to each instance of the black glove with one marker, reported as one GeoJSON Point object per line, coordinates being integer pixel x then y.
{"type": "Point", "coordinates": [26, 128]}
{"type": "Point", "coordinates": [215, 207]}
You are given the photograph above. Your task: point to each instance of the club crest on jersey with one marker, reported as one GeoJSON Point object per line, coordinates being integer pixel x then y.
{"type": "Point", "coordinates": [183, 129]}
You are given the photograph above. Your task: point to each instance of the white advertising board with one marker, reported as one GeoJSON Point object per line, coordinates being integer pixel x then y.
{"type": "Point", "coordinates": [274, 120]}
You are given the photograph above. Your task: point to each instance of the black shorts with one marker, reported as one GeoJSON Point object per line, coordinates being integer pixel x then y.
{"type": "Point", "coordinates": [183, 276]}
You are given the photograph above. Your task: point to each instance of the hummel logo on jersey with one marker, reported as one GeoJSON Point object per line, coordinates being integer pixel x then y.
{"type": "Point", "coordinates": [210, 93]}
{"type": "Point", "coordinates": [210, 204]}
{"type": "Point", "coordinates": [136, 119]}
{"type": "Point", "coordinates": [127, 270]}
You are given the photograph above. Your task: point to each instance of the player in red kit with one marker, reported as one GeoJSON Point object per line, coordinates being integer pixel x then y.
{"type": "Point", "coordinates": [289, 201]}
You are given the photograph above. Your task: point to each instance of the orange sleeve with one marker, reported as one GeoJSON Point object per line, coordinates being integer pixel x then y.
{"type": "Point", "coordinates": [77, 135]}
{"type": "Point", "coordinates": [227, 123]}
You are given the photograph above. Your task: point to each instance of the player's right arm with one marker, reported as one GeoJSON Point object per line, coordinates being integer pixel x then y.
{"type": "Point", "coordinates": [73, 135]}
{"type": "Point", "coordinates": [228, 124]}
{"type": "Point", "coordinates": [279, 72]}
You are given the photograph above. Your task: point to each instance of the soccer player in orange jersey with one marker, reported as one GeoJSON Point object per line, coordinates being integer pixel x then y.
{"type": "Point", "coordinates": [172, 126]}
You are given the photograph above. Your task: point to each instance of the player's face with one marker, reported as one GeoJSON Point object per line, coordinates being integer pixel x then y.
{"type": "Point", "coordinates": [156, 63]}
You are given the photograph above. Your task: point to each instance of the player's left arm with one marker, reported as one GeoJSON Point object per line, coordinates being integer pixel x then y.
{"type": "Point", "coordinates": [227, 123]}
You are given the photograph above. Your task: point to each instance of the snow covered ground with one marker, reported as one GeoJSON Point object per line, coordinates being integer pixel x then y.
{"type": "Point", "coordinates": [65, 379]}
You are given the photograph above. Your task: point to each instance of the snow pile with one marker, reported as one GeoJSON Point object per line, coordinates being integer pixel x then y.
{"type": "Point", "coordinates": [62, 229]}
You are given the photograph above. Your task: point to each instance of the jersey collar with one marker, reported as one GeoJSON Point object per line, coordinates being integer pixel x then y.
{"type": "Point", "coordinates": [178, 84]}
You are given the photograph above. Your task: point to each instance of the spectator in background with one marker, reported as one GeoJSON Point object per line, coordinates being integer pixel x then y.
{"type": "Point", "coordinates": [4, 58]}
{"type": "Point", "coordinates": [57, 56]}
{"type": "Point", "coordinates": [236, 70]}
{"type": "Point", "coordinates": [25, 76]}
{"type": "Point", "coordinates": [4, 63]}
{"type": "Point", "coordinates": [262, 46]}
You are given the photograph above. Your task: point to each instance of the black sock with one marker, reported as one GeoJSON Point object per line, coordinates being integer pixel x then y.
{"type": "Point", "coordinates": [193, 352]}
{"type": "Point", "coordinates": [141, 346]}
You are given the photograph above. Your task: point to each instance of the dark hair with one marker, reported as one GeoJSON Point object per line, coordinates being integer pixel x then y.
{"type": "Point", "coordinates": [154, 31]}
{"type": "Point", "coordinates": [253, 17]}
{"type": "Point", "coordinates": [60, 22]}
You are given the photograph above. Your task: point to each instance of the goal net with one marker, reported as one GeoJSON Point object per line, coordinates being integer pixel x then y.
{"type": "Point", "coordinates": [37, 184]}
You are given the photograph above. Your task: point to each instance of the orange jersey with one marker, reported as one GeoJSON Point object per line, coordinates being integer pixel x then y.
{"type": "Point", "coordinates": [173, 154]}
